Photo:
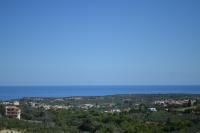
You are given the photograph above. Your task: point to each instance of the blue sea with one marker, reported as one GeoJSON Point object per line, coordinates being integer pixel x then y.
{"type": "Point", "coordinates": [14, 92]}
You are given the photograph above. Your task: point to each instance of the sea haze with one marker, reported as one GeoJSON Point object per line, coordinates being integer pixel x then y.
{"type": "Point", "coordinates": [12, 92]}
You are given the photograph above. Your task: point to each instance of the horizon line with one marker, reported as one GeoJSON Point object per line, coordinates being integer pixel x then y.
{"type": "Point", "coordinates": [101, 85]}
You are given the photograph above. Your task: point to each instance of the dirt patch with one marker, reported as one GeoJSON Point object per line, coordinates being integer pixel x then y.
{"type": "Point", "coordinates": [10, 131]}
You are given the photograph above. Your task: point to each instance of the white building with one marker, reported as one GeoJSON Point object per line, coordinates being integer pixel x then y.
{"type": "Point", "coordinates": [16, 103]}
{"type": "Point", "coordinates": [87, 106]}
{"type": "Point", "coordinates": [153, 109]}
{"type": "Point", "coordinates": [13, 111]}
{"type": "Point", "coordinates": [115, 110]}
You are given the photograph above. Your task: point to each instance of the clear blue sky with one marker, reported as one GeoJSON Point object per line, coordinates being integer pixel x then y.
{"type": "Point", "coordinates": [100, 42]}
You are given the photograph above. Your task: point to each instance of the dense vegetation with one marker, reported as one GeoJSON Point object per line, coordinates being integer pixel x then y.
{"type": "Point", "coordinates": [75, 121]}
{"type": "Point", "coordinates": [138, 119]}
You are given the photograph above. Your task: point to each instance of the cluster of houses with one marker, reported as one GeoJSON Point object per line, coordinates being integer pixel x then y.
{"type": "Point", "coordinates": [47, 107]}
{"type": "Point", "coordinates": [86, 106]}
{"type": "Point", "coordinates": [174, 102]}
{"type": "Point", "coordinates": [82, 106]}
{"type": "Point", "coordinates": [113, 111]}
